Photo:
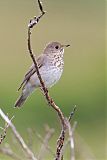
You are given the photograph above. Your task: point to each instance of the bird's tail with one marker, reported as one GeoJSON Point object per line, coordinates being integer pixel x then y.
{"type": "Point", "coordinates": [20, 101]}
{"type": "Point", "coordinates": [26, 91]}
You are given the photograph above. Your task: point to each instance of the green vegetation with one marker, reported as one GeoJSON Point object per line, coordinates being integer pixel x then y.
{"type": "Point", "coordinates": [81, 24]}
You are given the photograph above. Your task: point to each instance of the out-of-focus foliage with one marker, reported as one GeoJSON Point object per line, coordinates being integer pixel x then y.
{"type": "Point", "coordinates": [78, 23]}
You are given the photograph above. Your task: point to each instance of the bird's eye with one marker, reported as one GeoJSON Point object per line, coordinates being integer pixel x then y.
{"type": "Point", "coordinates": [57, 47]}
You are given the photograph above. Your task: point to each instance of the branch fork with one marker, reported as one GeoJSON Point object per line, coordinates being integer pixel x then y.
{"type": "Point", "coordinates": [60, 142]}
{"type": "Point", "coordinates": [64, 121]}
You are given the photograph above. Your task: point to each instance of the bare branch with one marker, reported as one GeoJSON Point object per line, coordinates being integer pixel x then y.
{"type": "Point", "coordinates": [2, 136]}
{"type": "Point", "coordinates": [35, 20]}
{"type": "Point", "coordinates": [50, 101]}
{"type": "Point", "coordinates": [71, 139]}
{"type": "Point", "coordinates": [7, 151]}
{"type": "Point", "coordinates": [49, 134]}
{"type": "Point", "coordinates": [83, 148]}
{"type": "Point", "coordinates": [28, 152]}
{"type": "Point", "coordinates": [45, 90]}
{"type": "Point", "coordinates": [40, 6]}
{"type": "Point", "coordinates": [72, 113]}
{"type": "Point", "coordinates": [30, 138]}
{"type": "Point", "coordinates": [47, 147]}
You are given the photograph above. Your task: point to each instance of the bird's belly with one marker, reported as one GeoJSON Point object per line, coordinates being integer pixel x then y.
{"type": "Point", "coordinates": [50, 76]}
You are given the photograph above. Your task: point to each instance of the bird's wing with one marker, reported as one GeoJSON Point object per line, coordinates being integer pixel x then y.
{"type": "Point", "coordinates": [31, 71]}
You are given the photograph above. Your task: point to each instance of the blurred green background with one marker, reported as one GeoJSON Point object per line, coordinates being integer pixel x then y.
{"type": "Point", "coordinates": [80, 23]}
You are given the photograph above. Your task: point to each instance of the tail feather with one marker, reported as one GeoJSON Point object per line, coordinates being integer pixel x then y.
{"type": "Point", "coordinates": [20, 101]}
{"type": "Point", "coordinates": [26, 91]}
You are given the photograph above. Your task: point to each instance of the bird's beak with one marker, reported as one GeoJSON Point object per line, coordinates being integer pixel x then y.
{"type": "Point", "coordinates": [65, 45]}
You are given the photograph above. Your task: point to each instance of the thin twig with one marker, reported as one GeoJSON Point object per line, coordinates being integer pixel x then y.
{"type": "Point", "coordinates": [47, 147]}
{"type": "Point", "coordinates": [10, 153]}
{"type": "Point", "coordinates": [68, 123]}
{"type": "Point", "coordinates": [28, 152]}
{"type": "Point", "coordinates": [30, 138]}
{"type": "Point", "coordinates": [3, 136]}
{"type": "Point", "coordinates": [50, 101]}
{"type": "Point", "coordinates": [49, 134]}
{"type": "Point", "coordinates": [71, 139]}
{"type": "Point", "coordinates": [45, 90]}
{"type": "Point", "coordinates": [72, 113]}
{"type": "Point", "coordinates": [83, 148]}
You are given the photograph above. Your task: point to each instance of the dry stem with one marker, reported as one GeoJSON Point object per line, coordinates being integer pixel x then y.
{"type": "Point", "coordinates": [7, 151]}
{"type": "Point", "coordinates": [2, 136]}
{"type": "Point", "coordinates": [28, 152]}
{"type": "Point", "coordinates": [47, 146]}
{"type": "Point", "coordinates": [50, 101]}
{"type": "Point", "coordinates": [71, 139]}
{"type": "Point", "coordinates": [44, 146]}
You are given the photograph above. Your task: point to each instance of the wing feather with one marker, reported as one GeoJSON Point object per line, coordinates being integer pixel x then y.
{"type": "Point", "coordinates": [31, 71]}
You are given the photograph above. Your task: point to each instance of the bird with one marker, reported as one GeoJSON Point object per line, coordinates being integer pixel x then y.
{"type": "Point", "coordinates": [50, 64]}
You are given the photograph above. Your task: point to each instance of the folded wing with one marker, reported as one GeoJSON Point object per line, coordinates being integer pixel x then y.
{"type": "Point", "coordinates": [32, 70]}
